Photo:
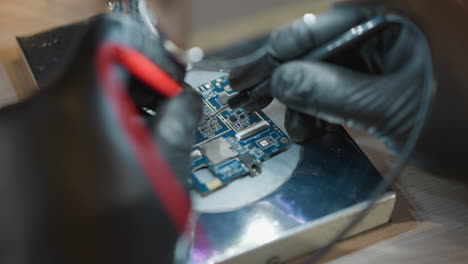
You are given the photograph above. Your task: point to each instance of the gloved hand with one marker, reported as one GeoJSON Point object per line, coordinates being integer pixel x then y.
{"type": "Point", "coordinates": [373, 85]}
{"type": "Point", "coordinates": [75, 187]}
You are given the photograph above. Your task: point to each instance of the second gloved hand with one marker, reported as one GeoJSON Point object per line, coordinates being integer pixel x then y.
{"type": "Point", "coordinates": [374, 85]}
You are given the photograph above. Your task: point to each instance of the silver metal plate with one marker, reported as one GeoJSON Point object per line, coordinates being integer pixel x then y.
{"type": "Point", "coordinates": [249, 189]}
{"type": "Point", "coordinates": [302, 198]}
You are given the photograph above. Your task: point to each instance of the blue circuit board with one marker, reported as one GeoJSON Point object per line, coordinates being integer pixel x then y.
{"type": "Point", "coordinates": [232, 144]}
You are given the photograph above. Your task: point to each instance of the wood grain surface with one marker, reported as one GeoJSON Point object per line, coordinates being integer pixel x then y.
{"type": "Point", "coordinates": [18, 18]}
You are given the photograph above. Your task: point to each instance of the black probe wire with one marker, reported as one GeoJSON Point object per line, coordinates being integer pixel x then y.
{"type": "Point", "coordinates": [427, 94]}
{"type": "Point", "coordinates": [231, 63]}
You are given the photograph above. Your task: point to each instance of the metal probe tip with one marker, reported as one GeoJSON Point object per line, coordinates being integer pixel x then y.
{"type": "Point", "coordinates": [218, 111]}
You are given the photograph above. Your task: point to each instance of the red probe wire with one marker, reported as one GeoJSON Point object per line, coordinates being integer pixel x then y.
{"type": "Point", "coordinates": [146, 71]}
{"type": "Point", "coordinates": [169, 191]}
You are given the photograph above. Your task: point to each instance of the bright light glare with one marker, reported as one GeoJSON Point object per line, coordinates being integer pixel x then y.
{"type": "Point", "coordinates": [309, 18]}
{"type": "Point", "coordinates": [260, 231]}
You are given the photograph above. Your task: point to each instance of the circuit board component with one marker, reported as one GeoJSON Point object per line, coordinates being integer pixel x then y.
{"type": "Point", "coordinates": [218, 151]}
{"type": "Point", "coordinates": [252, 130]}
{"type": "Point", "coordinates": [233, 143]}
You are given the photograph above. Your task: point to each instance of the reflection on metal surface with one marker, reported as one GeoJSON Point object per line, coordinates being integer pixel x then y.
{"type": "Point", "coordinates": [164, 20]}
{"type": "Point", "coordinates": [261, 230]}
{"type": "Point", "coordinates": [241, 192]}
{"type": "Point", "coordinates": [156, 15]}
{"type": "Point", "coordinates": [111, 5]}
{"type": "Point", "coordinates": [332, 175]}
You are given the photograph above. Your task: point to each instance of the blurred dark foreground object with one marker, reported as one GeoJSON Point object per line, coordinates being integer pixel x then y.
{"type": "Point", "coordinates": [73, 189]}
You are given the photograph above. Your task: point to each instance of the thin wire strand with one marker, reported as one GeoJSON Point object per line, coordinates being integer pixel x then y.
{"type": "Point", "coordinates": [427, 94]}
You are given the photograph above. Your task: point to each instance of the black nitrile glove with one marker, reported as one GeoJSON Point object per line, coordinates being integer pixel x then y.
{"type": "Point", "coordinates": [374, 84]}
{"type": "Point", "coordinates": [73, 190]}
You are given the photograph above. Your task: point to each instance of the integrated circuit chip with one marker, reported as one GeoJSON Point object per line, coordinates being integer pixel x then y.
{"type": "Point", "coordinates": [208, 128]}
{"type": "Point", "coordinates": [264, 143]}
{"type": "Point", "coordinates": [231, 144]}
{"type": "Point", "coordinates": [223, 99]}
{"type": "Point", "coordinates": [218, 151]}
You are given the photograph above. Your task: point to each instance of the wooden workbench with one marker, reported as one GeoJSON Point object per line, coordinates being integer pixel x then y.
{"type": "Point", "coordinates": [430, 221]}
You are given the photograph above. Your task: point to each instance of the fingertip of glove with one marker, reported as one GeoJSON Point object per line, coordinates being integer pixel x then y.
{"type": "Point", "coordinates": [301, 127]}
{"type": "Point", "coordinates": [188, 104]}
{"type": "Point", "coordinates": [288, 75]}
{"type": "Point", "coordinates": [190, 95]}
{"type": "Point", "coordinates": [235, 76]}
